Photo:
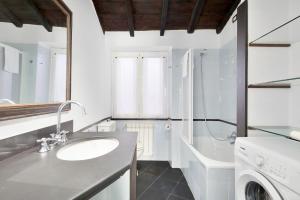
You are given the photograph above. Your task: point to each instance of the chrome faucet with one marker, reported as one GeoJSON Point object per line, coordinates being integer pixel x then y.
{"type": "Point", "coordinates": [60, 137]}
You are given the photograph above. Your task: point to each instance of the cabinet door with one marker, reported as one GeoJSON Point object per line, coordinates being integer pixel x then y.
{"type": "Point", "coordinates": [120, 189]}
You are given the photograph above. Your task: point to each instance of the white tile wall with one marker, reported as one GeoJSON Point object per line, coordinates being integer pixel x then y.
{"type": "Point", "coordinates": [228, 81]}
{"type": "Point", "coordinates": [211, 75]}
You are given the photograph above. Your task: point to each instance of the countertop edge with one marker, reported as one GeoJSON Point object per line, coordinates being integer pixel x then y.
{"type": "Point", "coordinates": [102, 185]}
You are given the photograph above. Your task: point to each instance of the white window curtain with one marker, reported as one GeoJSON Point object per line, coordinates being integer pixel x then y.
{"type": "Point", "coordinates": [125, 98]}
{"type": "Point", "coordinates": [140, 86]}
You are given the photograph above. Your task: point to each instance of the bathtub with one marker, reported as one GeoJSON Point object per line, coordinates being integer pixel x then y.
{"type": "Point", "coordinates": [208, 166]}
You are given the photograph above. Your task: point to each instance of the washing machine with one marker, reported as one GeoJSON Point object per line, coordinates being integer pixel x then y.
{"type": "Point", "coordinates": [267, 168]}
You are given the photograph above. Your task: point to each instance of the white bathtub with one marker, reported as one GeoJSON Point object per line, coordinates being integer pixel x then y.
{"type": "Point", "coordinates": [208, 167]}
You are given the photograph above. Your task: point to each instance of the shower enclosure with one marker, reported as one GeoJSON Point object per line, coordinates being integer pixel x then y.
{"type": "Point", "coordinates": [214, 101]}
{"type": "Point", "coordinates": [207, 150]}
{"type": "Point", "coordinates": [208, 106]}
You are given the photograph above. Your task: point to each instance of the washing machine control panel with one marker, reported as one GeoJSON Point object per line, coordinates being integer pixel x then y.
{"type": "Point", "coordinates": [270, 166]}
{"type": "Point", "coordinates": [277, 167]}
{"type": "Point", "coordinates": [280, 167]}
{"type": "Point", "coordinates": [276, 170]}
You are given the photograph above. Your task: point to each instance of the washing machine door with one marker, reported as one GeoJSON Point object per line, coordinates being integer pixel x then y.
{"type": "Point", "coordinates": [252, 185]}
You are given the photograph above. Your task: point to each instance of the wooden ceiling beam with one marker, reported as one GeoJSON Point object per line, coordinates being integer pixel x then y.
{"type": "Point", "coordinates": [42, 19]}
{"type": "Point", "coordinates": [10, 15]}
{"type": "Point", "coordinates": [164, 17]}
{"type": "Point", "coordinates": [227, 16]}
{"type": "Point", "coordinates": [197, 11]}
{"type": "Point", "coordinates": [130, 17]}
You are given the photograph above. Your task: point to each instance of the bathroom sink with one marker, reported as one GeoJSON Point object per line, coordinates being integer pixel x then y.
{"type": "Point", "coordinates": [87, 149]}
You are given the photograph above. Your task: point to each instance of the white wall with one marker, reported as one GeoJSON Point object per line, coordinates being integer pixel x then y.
{"type": "Point", "coordinates": [90, 75]}
{"type": "Point", "coordinates": [32, 34]}
{"type": "Point", "coordinates": [294, 98]}
{"type": "Point", "coordinates": [179, 39]}
{"type": "Point", "coordinates": [294, 8]}
{"type": "Point", "coordinates": [266, 15]}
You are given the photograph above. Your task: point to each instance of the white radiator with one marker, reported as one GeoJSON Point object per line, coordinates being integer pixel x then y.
{"type": "Point", "coordinates": [145, 135]}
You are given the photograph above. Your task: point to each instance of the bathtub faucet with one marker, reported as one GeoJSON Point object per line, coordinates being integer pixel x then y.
{"type": "Point", "coordinates": [231, 138]}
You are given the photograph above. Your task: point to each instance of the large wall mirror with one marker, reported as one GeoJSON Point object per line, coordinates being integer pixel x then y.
{"type": "Point", "coordinates": [35, 57]}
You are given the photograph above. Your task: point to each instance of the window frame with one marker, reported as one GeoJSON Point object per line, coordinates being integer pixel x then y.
{"type": "Point", "coordinates": [140, 55]}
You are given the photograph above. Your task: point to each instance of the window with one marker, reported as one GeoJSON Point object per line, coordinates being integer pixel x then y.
{"type": "Point", "coordinates": [126, 87]}
{"type": "Point", "coordinates": [140, 85]}
{"type": "Point", "coordinates": [58, 75]}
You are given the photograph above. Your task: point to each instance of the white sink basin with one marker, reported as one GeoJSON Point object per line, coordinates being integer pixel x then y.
{"type": "Point", "coordinates": [87, 149]}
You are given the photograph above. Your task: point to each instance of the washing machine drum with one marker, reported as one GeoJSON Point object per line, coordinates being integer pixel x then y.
{"type": "Point", "coordinates": [252, 185]}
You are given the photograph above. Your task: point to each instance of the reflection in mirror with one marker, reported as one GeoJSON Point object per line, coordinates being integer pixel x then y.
{"type": "Point", "coordinates": [33, 52]}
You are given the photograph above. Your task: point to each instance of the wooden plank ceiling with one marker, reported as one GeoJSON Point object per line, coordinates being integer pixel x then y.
{"type": "Point", "coordinates": [36, 12]}
{"type": "Point", "coordinates": [142, 15]}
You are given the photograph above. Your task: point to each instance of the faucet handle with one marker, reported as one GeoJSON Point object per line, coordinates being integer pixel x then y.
{"type": "Point", "coordinates": [44, 144]}
{"type": "Point", "coordinates": [63, 136]}
{"type": "Point", "coordinates": [45, 140]}
{"type": "Point", "coordinates": [64, 132]}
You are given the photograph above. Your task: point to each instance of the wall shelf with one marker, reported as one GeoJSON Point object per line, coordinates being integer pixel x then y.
{"type": "Point", "coordinates": [285, 34]}
{"type": "Point", "coordinates": [276, 130]}
{"type": "Point", "coordinates": [270, 86]}
{"type": "Point", "coordinates": [269, 45]}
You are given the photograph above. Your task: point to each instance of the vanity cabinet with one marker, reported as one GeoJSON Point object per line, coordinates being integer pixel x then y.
{"type": "Point", "coordinates": [120, 189]}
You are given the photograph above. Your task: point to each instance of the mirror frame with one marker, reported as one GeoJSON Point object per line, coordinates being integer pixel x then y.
{"type": "Point", "coordinates": [28, 110]}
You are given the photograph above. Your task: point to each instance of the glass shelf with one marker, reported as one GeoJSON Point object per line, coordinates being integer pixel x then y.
{"type": "Point", "coordinates": [287, 33]}
{"type": "Point", "coordinates": [276, 130]}
{"type": "Point", "coordinates": [281, 83]}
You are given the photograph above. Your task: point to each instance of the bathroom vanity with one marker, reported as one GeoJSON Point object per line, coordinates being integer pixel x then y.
{"type": "Point", "coordinates": [34, 175]}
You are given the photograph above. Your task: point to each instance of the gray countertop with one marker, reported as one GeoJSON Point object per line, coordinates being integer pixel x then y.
{"type": "Point", "coordinates": [32, 175]}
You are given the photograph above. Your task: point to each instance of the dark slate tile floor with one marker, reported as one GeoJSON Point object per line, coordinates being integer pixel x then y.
{"type": "Point", "coordinates": [158, 181]}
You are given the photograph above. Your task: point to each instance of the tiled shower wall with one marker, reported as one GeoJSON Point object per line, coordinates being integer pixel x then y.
{"type": "Point", "coordinates": [228, 81]}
